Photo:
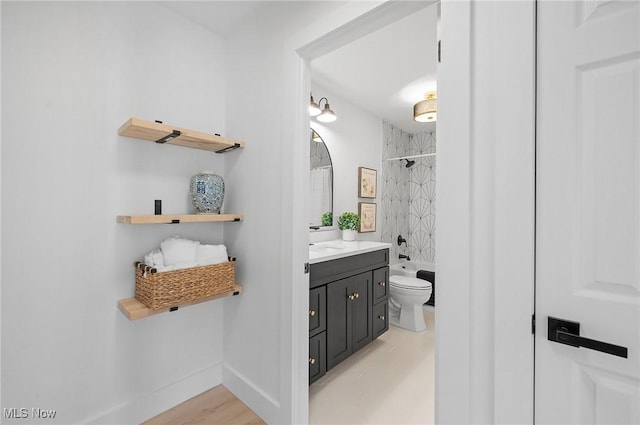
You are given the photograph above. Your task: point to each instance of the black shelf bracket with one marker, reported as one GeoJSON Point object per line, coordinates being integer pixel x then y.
{"type": "Point", "coordinates": [169, 137]}
{"type": "Point", "coordinates": [229, 148]}
{"type": "Point", "coordinates": [174, 221]}
{"type": "Point", "coordinates": [173, 308]}
{"type": "Point", "coordinates": [236, 219]}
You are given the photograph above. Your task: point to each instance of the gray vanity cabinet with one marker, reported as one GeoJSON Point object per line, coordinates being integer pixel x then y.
{"type": "Point", "coordinates": [347, 307]}
{"type": "Point", "coordinates": [348, 317]}
{"type": "Point", "coordinates": [317, 356]}
{"type": "Point", "coordinates": [380, 301]}
{"type": "Point", "coordinates": [380, 318]}
{"type": "Point", "coordinates": [380, 285]}
{"type": "Point", "coordinates": [317, 334]}
{"type": "Point", "coordinates": [317, 311]}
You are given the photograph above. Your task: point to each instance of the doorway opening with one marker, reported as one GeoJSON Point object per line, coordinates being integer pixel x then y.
{"type": "Point", "coordinates": [367, 133]}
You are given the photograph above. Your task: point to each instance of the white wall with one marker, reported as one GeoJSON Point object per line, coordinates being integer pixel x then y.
{"type": "Point", "coordinates": [1, 243]}
{"type": "Point", "coordinates": [252, 321]}
{"type": "Point", "coordinates": [72, 74]}
{"type": "Point", "coordinates": [266, 331]}
{"type": "Point", "coordinates": [258, 354]}
{"type": "Point", "coordinates": [354, 140]}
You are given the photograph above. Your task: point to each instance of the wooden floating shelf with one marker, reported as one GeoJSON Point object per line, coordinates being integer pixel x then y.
{"type": "Point", "coordinates": [134, 309]}
{"type": "Point", "coordinates": [163, 133]}
{"type": "Point", "coordinates": [177, 218]}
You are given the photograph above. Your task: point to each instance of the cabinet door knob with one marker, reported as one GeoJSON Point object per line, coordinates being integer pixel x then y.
{"type": "Point", "coordinates": [381, 317]}
{"type": "Point", "coordinates": [382, 283]}
{"type": "Point", "coordinates": [356, 295]}
{"type": "Point", "coordinates": [352, 297]}
{"type": "Point", "coordinates": [312, 313]}
{"type": "Point", "coordinates": [312, 361]}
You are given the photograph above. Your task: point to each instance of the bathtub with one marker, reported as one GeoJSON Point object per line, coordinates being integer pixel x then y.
{"type": "Point", "coordinates": [411, 269]}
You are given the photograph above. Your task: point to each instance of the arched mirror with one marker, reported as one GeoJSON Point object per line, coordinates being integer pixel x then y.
{"type": "Point", "coordinates": [321, 183]}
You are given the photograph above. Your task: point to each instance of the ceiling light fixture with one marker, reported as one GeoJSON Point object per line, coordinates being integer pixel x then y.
{"type": "Point", "coordinates": [314, 108]}
{"type": "Point", "coordinates": [425, 110]}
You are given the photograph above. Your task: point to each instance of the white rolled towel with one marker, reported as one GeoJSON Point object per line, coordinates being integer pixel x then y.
{"type": "Point", "coordinates": [148, 259]}
{"type": "Point", "coordinates": [177, 250]}
{"type": "Point", "coordinates": [211, 254]}
{"type": "Point", "coordinates": [154, 258]}
{"type": "Point", "coordinates": [158, 258]}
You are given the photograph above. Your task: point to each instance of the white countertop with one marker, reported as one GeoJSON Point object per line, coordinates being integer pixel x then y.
{"type": "Point", "coordinates": [331, 250]}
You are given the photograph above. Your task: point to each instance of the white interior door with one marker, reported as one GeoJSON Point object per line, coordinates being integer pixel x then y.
{"type": "Point", "coordinates": [588, 210]}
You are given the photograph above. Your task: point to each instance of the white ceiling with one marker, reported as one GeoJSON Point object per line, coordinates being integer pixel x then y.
{"type": "Point", "coordinates": [386, 72]}
{"type": "Point", "coordinates": [219, 17]}
{"type": "Point", "coordinates": [225, 17]}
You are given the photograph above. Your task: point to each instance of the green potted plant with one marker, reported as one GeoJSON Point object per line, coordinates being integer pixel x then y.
{"type": "Point", "coordinates": [349, 223]}
{"type": "Point", "coordinates": [327, 219]}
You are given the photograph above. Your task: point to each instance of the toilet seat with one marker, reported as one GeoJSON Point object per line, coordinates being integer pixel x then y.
{"type": "Point", "coordinates": [406, 282]}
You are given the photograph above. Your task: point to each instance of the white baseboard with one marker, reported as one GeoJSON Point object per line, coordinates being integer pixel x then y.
{"type": "Point", "coordinates": [261, 403]}
{"type": "Point", "coordinates": [149, 405]}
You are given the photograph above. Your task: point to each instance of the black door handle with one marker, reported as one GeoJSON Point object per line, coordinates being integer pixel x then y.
{"type": "Point", "coordinates": [567, 332]}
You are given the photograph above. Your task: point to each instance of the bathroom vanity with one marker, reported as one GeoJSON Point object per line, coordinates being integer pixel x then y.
{"type": "Point", "coordinates": [348, 293]}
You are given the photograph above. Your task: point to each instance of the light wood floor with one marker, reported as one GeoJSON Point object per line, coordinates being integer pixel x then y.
{"type": "Point", "coordinates": [218, 406]}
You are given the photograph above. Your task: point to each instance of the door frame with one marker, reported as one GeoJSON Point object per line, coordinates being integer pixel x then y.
{"type": "Point", "coordinates": [484, 355]}
{"type": "Point", "coordinates": [486, 184]}
{"type": "Point", "coordinates": [486, 241]}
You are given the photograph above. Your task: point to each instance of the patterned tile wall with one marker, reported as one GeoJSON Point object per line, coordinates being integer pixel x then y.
{"type": "Point", "coordinates": [422, 199]}
{"type": "Point", "coordinates": [408, 194]}
{"type": "Point", "coordinates": [394, 209]}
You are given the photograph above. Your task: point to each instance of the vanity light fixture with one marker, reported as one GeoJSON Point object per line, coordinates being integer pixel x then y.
{"type": "Point", "coordinates": [324, 115]}
{"type": "Point", "coordinates": [314, 108]}
{"type": "Point", "coordinates": [425, 110]}
{"type": "Point", "coordinates": [327, 115]}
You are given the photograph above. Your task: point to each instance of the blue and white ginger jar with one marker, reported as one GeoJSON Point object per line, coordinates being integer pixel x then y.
{"type": "Point", "coordinates": [207, 192]}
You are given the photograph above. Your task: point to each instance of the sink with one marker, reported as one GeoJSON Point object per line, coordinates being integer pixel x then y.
{"type": "Point", "coordinates": [318, 251]}
{"type": "Point", "coordinates": [322, 248]}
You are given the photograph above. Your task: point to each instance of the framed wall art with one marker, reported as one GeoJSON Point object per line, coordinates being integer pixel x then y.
{"type": "Point", "coordinates": [367, 213]}
{"type": "Point", "coordinates": [367, 182]}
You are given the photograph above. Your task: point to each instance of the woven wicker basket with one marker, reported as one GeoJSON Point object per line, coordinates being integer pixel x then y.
{"type": "Point", "coordinates": [173, 288]}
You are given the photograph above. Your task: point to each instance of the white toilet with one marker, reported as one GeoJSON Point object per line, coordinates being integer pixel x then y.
{"type": "Point", "coordinates": [407, 295]}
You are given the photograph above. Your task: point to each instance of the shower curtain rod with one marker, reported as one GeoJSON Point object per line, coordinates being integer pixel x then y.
{"type": "Point", "coordinates": [411, 156]}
